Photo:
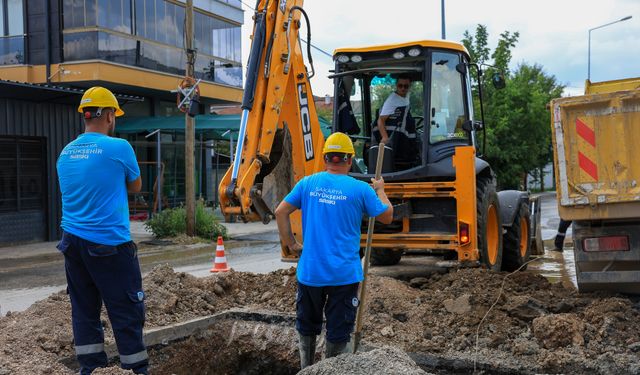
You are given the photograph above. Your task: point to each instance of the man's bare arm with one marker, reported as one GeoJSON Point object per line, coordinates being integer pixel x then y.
{"type": "Point", "coordinates": [387, 216]}
{"type": "Point", "coordinates": [134, 186]}
{"type": "Point", "coordinates": [384, 136]}
{"type": "Point", "coordinates": [283, 212]}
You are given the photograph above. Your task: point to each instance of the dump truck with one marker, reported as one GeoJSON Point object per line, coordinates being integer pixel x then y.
{"type": "Point", "coordinates": [597, 178]}
{"type": "Point", "coordinates": [444, 195]}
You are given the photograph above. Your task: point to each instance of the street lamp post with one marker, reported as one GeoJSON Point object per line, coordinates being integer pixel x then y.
{"type": "Point", "coordinates": [589, 53]}
{"type": "Point", "coordinates": [444, 34]}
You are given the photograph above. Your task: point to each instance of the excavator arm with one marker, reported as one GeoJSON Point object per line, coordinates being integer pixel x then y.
{"type": "Point", "coordinates": [280, 139]}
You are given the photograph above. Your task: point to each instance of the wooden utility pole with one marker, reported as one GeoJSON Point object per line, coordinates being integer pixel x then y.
{"type": "Point", "coordinates": [189, 133]}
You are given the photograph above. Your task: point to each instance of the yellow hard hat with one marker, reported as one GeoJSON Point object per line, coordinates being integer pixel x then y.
{"type": "Point", "coordinates": [99, 97]}
{"type": "Point", "coordinates": [338, 142]}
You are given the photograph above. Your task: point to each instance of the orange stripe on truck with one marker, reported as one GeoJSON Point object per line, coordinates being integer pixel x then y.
{"type": "Point", "coordinates": [586, 151]}
{"type": "Point", "coordinates": [586, 132]}
{"type": "Point", "coordinates": [587, 165]}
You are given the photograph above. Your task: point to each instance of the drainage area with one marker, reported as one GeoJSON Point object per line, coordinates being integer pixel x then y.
{"type": "Point", "coordinates": [232, 342]}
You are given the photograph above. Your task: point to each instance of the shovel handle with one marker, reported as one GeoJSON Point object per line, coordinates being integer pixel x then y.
{"type": "Point", "coordinates": [367, 255]}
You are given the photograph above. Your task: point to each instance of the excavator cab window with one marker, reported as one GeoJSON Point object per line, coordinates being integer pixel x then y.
{"type": "Point", "coordinates": [447, 99]}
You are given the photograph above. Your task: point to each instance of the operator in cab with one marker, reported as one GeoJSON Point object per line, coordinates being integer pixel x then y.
{"type": "Point", "coordinates": [329, 270]}
{"type": "Point", "coordinates": [395, 127]}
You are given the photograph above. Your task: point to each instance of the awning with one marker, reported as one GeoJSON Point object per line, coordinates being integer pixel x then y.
{"type": "Point", "coordinates": [210, 126]}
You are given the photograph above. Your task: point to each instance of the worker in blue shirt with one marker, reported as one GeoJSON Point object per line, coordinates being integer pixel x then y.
{"type": "Point", "coordinates": [329, 270]}
{"type": "Point", "coordinates": [95, 173]}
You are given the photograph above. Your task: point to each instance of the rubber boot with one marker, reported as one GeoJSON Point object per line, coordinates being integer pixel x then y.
{"type": "Point", "coordinates": [559, 241]}
{"type": "Point", "coordinates": [333, 349]}
{"type": "Point", "coordinates": [307, 348]}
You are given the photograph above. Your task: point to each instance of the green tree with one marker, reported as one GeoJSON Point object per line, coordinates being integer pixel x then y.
{"type": "Point", "coordinates": [516, 118]}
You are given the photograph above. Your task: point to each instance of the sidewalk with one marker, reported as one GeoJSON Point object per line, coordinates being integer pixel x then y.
{"type": "Point", "coordinates": [138, 233]}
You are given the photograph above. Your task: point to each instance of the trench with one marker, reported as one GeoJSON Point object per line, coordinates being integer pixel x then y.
{"type": "Point", "coordinates": [245, 342]}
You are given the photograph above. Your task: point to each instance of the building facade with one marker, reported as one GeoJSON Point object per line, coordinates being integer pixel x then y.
{"type": "Point", "coordinates": [133, 47]}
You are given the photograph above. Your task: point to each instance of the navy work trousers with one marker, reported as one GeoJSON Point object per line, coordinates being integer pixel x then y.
{"type": "Point", "coordinates": [339, 303]}
{"type": "Point", "coordinates": [97, 273]}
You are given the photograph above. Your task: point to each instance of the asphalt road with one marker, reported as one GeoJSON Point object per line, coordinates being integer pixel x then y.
{"type": "Point", "coordinates": [26, 279]}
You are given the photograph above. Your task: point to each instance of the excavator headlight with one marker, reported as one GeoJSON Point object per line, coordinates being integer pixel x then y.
{"type": "Point", "coordinates": [342, 58]}
{"type": "Point", "coordinates": [413, 52]}
{"type": "Point", "coordinates": [356, 58]}
{"type": "Point", "coordinates": [398, 55]}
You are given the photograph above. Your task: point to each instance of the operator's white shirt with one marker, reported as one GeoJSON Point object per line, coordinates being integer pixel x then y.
{"type": "Point", "coordinates": [393, 101]}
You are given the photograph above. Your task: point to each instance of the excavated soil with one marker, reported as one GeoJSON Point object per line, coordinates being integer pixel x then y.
{"type": "Point", "coordinates": [535, 327]}
{"type": "Point", "coordinates": [386, 360]}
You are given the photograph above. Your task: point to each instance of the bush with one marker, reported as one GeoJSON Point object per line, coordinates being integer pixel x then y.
{"type": "Point", "coordinates": [172, 222]}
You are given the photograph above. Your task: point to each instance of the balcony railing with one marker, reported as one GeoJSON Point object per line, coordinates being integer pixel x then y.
{"type": "Point", "coordinates": [12, 50]}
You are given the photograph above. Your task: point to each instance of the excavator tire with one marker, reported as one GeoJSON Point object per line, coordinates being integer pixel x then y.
{"type": "Point", "coordinates": [385, 257]}
{"type": "Point", "coordinates": [517, 241]}
{"type": "Point", "coordinates": [489, 223]}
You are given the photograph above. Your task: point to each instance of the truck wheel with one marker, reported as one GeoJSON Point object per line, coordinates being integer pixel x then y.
{"type": "Point", "coordinates": [517, 241]}
{"type": "Point", "coordinates": [385, 257]}
{"type": "Point", "coordinates": [489, 224]}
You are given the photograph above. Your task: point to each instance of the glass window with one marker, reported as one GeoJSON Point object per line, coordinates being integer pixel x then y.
{"type": "Point", "coordinates": [150, 18]}
{"type": "Point", "coordinates": [80, 46]}
{"type": "Point", "coordinates": [447, 100]}
{"type": "Point", "coordinates": [161, 22]}
{"type": "Point", "coordinates": [237, 45]}
{"type": "Point", "coordinates": [15, 17]}
{"type": "Point", "coordinates": [115, 15]}
{"type": "Point", "coordinates": [79, 13]}
{"type": "Point", "coordinates": [140, 18]}
{"type": "Point", "coordinates": [116, 48]}
{"type": "Point", "coordinates": [90, 12]}
{"type": "Point", "coordinates": [12, 50]}
{"type": "Point", "coordinates": [2, 20]}
{"type": "Point", "coordinates": [179, 22]}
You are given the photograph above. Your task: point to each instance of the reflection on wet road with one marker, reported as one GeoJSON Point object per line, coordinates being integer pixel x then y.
{"type": "Point", "coordinates": [24, 281]}
{"type": "Point", "coordinates": [557, 266]}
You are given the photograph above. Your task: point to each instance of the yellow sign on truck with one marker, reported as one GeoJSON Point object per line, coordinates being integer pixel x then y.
{"type": "Point", "coordinates": [597, 169]}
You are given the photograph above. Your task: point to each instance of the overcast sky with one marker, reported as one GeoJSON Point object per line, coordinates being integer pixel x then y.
{"type": "Point", "coordinates": [553, 33]}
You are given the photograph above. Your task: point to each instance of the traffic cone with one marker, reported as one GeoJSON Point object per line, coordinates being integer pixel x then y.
{"type": "Point", "coordinates": [220, 263]}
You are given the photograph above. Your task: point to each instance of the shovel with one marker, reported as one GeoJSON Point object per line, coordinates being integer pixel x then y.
{"type": "Point", "coordinates": [367, 254]}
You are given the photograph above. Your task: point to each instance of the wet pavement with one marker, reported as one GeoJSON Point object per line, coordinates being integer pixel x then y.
{"type": "Point", "coordinates": [26, 279]}
{"type": "Point", "coordinates": [32, 272]}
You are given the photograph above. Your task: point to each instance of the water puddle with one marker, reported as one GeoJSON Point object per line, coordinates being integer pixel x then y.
{"type": "Point", "coordinates": [557, 266]}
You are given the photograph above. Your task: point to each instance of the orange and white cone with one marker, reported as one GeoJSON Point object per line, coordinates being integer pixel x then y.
{"type": "Point", "coordinates": [220, 263]}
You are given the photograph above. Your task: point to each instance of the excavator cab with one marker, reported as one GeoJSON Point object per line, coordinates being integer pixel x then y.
{"type": "Point", "coordinates": [444, 196]}
{"type": "Point", "coordinates": [424, 125]}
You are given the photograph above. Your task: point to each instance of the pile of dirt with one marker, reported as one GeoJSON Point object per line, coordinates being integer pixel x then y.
{"type": "Point", "coordinates": [534, 327]}
{"type": "Point", "coordinates": [386, 360]}
{"type": "Point", "coordinates": [176, 296]}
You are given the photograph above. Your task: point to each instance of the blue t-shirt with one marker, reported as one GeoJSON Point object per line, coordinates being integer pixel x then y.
{"type": "Point", "coordinates": [332, 207]}
{"type": "Point", "coordinates": [92, 171]}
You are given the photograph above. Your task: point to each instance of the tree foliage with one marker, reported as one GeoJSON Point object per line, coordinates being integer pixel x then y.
{"type": "Point", "coordinates": [516, 118]}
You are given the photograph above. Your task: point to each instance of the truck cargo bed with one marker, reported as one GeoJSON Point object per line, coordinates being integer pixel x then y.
{"type": "Point", "coordinates": [597, 156]}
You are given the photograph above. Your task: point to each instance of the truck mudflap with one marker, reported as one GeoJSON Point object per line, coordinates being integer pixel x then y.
{"type": "Point", "coordinates": [617, 271]}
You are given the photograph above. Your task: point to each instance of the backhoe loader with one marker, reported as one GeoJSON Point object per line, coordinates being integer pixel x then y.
{"type": "Point", "coordinates": [444, 195]}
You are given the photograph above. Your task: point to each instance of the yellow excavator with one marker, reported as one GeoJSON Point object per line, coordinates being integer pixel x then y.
{"type": "Point", "coordinates": [444, 195]}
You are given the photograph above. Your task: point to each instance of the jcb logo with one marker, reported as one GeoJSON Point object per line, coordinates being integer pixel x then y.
{"type": "Point", "coordinates": [303, 101]}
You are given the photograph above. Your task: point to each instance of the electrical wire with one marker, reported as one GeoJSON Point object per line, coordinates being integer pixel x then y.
{"type": "Point", "coordinates": [312, 45]}
{"type": "Point", "coordinates": [475, 354]}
